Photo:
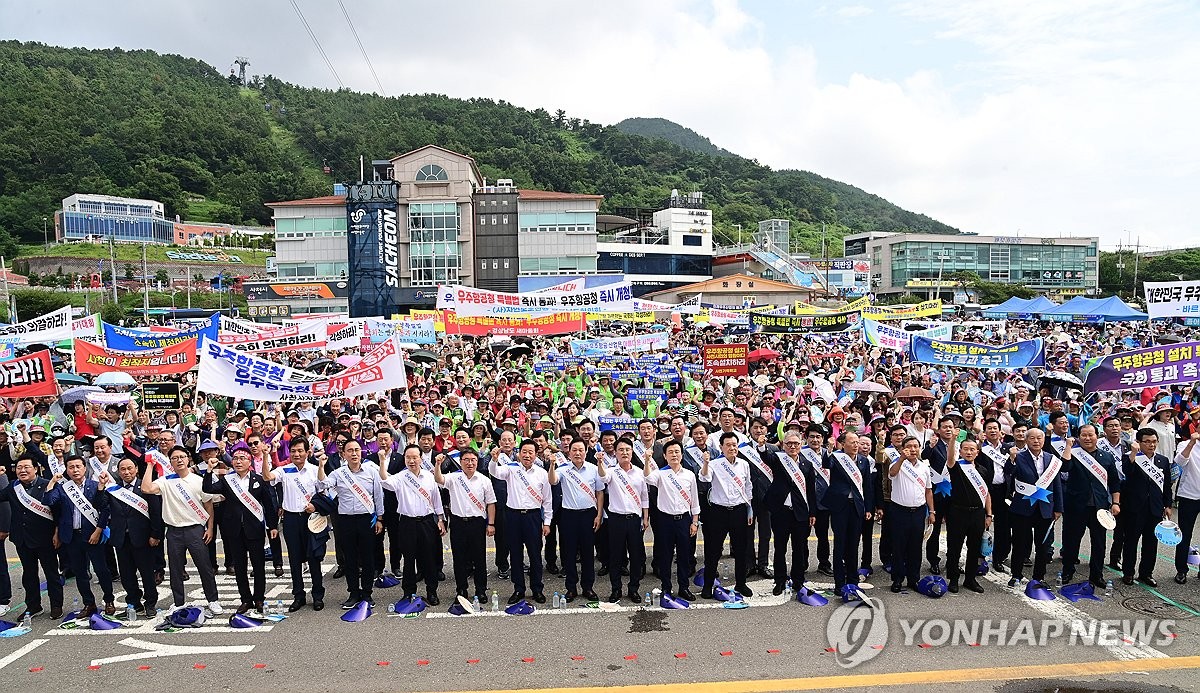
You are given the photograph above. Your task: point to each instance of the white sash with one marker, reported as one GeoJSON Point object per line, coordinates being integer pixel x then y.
{"type": "Point", "coordinates": [416, 484]}
{"type": "Point", "coordinates": [56, 467]}
{"type": "Point", "coordinates": [128, 497]}
{"type": "Point", "coordinates": [82, 504]}
{"type": "Point", "coordinates": [892, 454]}
{"type": "Point", "coordinates": [34, 505]}
{"type": "Point", "coordinates": [976, 480]}
{"type": "Point", "coordinates": [96, 466]}
{"type": "Point", "coordinates": [466, 486]}
{"type": "Point", "coordinates": [234, 482]}
{"type": "Point", "coordinates": [180, 489]}
{"type": "Point", "coordinates": [299, 480]}
{"type": "Point", "coordinates": [1059, 445]}
{"type": "Point", "coordinates": [851, 470]}
{"type": "Point", "coordinates": [1091, 464]}
{"type": "Point", "coordinates": [365, 498]}
{"type": "Point", "coordinates": [1043, 481]}
{"type": "Point", "coordinates": [620, 474]}
{"type": "Point", "coordinates": [996, 454]}
{"type": "Point", "coordinates": [696, 453]}
{"type": "Point", "coordinates": [909, 470]}
{"type": "Point", "coordinates": [815, 460]}
{"type": "Point", "coordinates": [528, 486]}
{"type": "Point", "coordinates": [1115, 451]}
{"type": "Point", "coordinates": [578, 481]}
{"type": "Point", "coordinates": [427, 464]}
{"type": "Point", "coordinates": [723, 465]}
{"type": "Point", "coordinates": [1147, 466]}
{"type": "Point", "coordinates": [670, 474]}
{"type": "Point", "coordinates": [793, 469]}
{"type": "Point", "coordinates": [608, 460]}
{"type": "Point", "coordinates": [751, 453]}
{"type": "Point", "coordinates": [640, 448]}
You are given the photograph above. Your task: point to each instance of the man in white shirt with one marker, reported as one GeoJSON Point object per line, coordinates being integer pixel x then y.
{"type": "Point", "coordinates": [1188, 495]}
{"type": "Point", "coordinates": [472, 520]}
{"type": "Point", "coordinates": [628, 519]}
{"type": "Point", "coordinates": [909, 508]}
{"type": "Point", "coordinates": [579, 519]}
{"type": "Point", "coordinates": [729, 513]}
{"type": "Point", "coordinates": [419, 504]}
{"type": "Point", "coordinates": [678, 517]}
{"type": "Point", "coordinates": [527, 517]}
{"type": "Point", "coordinates": [188, 514]}
{"type": "Point", "coordinates": [298, 481]}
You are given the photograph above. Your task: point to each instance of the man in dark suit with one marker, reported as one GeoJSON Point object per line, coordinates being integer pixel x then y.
{"type": "Point", "coordinates": [32, 532]}
{"type": "Point", "coordinates": [1092, 484]}
{"type": "Point", "coordinates": [757, 451]}
{"type": "Point", "coordinates": [850, 502]}
{"type": "Point", "coordinates": [136, 530]}
{"type": "Point", "coordinates": [1147, 493]}
{"type": "Point", "coordinates": [814, 451]}
{"type": "Point", "coordinates": [935, 453]}
{"type": "Point", "coordinates": [391, 462]}
{"type": "Point", "coordinates": [81, 510]}
{"type": "Point", "coordinates": [1037, 504]}
{"type": "Point", "coordinates": [250, 512]}
{"type": "Point", "coordinates": [789, 500]}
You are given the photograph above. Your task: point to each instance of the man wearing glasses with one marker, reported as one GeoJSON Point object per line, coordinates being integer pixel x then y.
{"type": "Point", "coordinates": [249, 515]}
{"type": "Point", "coordinates": [790, 503]}
{"type": "Point", "coordinates": [333, 463]}
{"type": "Point", "coordinates": [260, 459]}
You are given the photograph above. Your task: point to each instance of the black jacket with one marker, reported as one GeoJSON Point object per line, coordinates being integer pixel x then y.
{"type": "Point", "coordinates": [236, 517]}
{"type": "Point", "coordinates": [125, 522]}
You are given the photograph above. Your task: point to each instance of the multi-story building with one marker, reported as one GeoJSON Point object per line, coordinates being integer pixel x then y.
{"type": "Point", "coordinates": [496, 231]}
{"type": "Point", "coordinates": [922, 263]}
{"type": "Point", "coordinates": [86, 217]}
{"type": "Point", "coordinates": [556, 237]}
{"type": "Point", "coordinates": [655, 250]}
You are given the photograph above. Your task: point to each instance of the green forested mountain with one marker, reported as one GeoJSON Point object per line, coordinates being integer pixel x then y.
{"type": "Point", "coordinates": [174, 129]}
{"type": "Point", "coordinates": [673, 132]}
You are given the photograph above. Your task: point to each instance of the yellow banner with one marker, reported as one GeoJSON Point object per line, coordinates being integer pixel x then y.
{"type": "Point", "coordinates": [641, 316]}
{"type": "Point", "coordinates": [802, 308]}
{"type": "Point", "coordinates": [924, 309]}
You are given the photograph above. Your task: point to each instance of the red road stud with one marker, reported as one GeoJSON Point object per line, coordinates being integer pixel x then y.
{"type": "Point", "coordinates": [382, 664]}
{"type": "Point", "coordinates": [974, 644]}
{"type": "Point", "coordinates": [34, 670]}
{"type": "Point", "coordinates": [772, 651]}
{"type": "Point", "coordinates": [94, 667]}
{"type": "Point", "coordinates": [472, 661]}
{"type": "Point", "coordinates": [144, 667]}
{"type": "Point", "coordinates": [630, 657]}
{"type": "Point", "coordinates": [199, 666]}
{"type": "Point", "coordinates": [260, 666]}
{"type": "Point", "coordinates": [830, 649]}
{"type": "Point", "coordinates": [577, 658]}
{"type": "Point", "coordinates": [527, 660]}
{"type": "Point", "coordinates": [924, 646]}
{"type": "Point", "coordinates": [727, 653]}
{"type": "Point", "coordinates": [422, 662]}
{"type": "Point", "coordinates": [876, 647]}
{"type": "Point", "coordinates": [680, 655]}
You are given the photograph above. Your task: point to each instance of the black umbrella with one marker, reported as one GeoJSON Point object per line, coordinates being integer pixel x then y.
{"type": "Point", "coordinates": [517, 351]}
{"type": "Point", "coordinates": [424, 355]}
{"type": "Point", "coordinates": [1061, 379]}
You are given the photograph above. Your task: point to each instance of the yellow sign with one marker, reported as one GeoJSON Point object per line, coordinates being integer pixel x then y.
{"type": "Point", "coordinates": [921, 310]}
{"type": "Point", "coordinates": [802, 308]}
{"type": "Point", "coordinates": [931, 283]}
{"type": "Point", "coordinates": [640, 316]}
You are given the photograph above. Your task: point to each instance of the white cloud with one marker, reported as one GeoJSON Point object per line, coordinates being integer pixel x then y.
{"type": "Point", "coordinates": [853, 11]}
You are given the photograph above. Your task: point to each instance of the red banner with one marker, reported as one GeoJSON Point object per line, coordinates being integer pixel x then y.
{"type": "Point", "coordinates": [28, 376]}
{"type": "Point", "coordinates": [481, 326]}
{"type": "Point", "coordinates": [726, 360]}
{"type": "Point", "coordinates": [172, 360]}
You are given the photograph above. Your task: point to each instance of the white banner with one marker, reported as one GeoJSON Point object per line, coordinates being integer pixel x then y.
{"type": "Point", "coordinates": [233, 373]}
{"type": "Point", "coordinates": [46, 329]}
{"type": "Point", "coordinates": [468, 301]}
{"type": "Point", "coordinates": [881, 334]}
{"type": "Point", "coordinates": [88, 329]}
{"type": "Point", "coordinates": [600, 346]}
{"type": "Point", "coordinates": [1173, 299]}
{"type": "Point", "coordinates": [718, 316]}
{"type": "Point", "coordinates": [343, 336]}
{"type": "Point", "coordinates": [237, 326]}
{"type": "Point", "coordinates": [312, 334]}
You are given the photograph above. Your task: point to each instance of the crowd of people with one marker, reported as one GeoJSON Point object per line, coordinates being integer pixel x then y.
{"type": "Point", "coordinates": [566, 473]}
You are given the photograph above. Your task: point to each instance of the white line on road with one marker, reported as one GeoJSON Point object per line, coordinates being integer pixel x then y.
{"type": "Point", "coordinates": [154, 650]}
{"type": "Point", "coordinates": [26, 649]}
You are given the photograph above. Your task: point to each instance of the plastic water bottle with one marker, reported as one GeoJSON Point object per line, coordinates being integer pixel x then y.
{"type": "Point", "coordinates": [1108, 589]}
{"type": "Point", "coordinates": [495, 601]}
{"type": "Point", "coordinates": [75, 606]}
{"type": "Point", "coordinates": [557, 602]}
{"type": "Point", "coordinates": [646, 601]}
{"type": "Point", "coordinates": [1058, 579]}
{"type": "Point", "coordinates": [130, 613]}
{"type": "Point", "coordinates": [26, 620]}
{"type": "Point", "coordinates": [787, 591]}
{"type": "Point", "coordinates": [279, 606]}
{"type": "Point", "coordinates": [475, 604]}
{"type": "Point", "coordinates": [391, 607]}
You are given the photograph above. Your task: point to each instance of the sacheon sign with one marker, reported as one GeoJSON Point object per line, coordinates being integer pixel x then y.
{"type": "Point", "coordinates": [372, 224]}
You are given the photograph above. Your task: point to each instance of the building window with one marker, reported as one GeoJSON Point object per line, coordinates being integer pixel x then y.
{"type": "Point", "coordinates": [431, 172]}
{"type": "Point", "coordinates": [495, 264]}
{"type": "Point", "coordinates": [482, 220]}
{"type": "Point", "coordinates": [493, 220]}
{"type": "Point", "coordinates": [504, 219]}
{"type": "Point", "coordinates": [505, 264]}
{"type": "Point", "coordinates": [693, 240]}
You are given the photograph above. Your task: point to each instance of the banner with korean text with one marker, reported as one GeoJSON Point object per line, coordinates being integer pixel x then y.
{"type": "Point", "coordinates": [528, 326]}
{"type": "Point", "coordinates": [125, 339]}
{"type": "Point", "coordinates": [469, 301]}
{"type": "Point", "coordinates": [45, 329]}
{"type": "Point", "coordinates": [1164, 365]}
{"type": "Point", "coordinates": [170, 360]}
{"type": "Point", "coordinates": [1024, 354]}
{"type": "Point", "coordinates": [797, 324]}
{"type": "Point", "coordinates": [28, 376]}
{"type": "Point", "coordinates": [1172, 299]}
{"type": "Point", "coordinates": [726, 360]}
{"type": "Point", "coordinates": [310, 334]}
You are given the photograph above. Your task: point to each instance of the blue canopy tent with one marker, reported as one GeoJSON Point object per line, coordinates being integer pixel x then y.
{"type": "Point", "coordinates": [1083, 309]}
{"type": "Point", "coordinates": [1021, 308]}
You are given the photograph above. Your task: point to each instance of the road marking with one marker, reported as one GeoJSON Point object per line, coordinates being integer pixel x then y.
{"type": "Point", "coordinates": [26, 649]}
{"type": "Point", "coordinates": [154, 650]}
{"type": "Point", "coordinates": [149, 629]}
{"type": "Point", "coordinates": [899, 678]}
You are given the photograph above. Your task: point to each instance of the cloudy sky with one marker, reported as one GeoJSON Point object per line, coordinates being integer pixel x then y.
{"type": "Point", "coordinates": [1037, 117]}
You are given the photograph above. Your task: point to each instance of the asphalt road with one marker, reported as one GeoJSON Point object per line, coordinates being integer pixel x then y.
{"type": "Point", "coordinates": [773, 645]}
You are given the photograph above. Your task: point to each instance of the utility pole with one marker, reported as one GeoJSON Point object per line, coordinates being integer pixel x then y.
{"type": "Point", "coordinates": [12, 308]}
{"type": "Point", "coordinates": [45, 238]}
{"type": "Point", "coordinates": [1137, 256]}
{"type": "Point", "coordinates": [112, 264]}
{"type": "Point", "coordinates": [145, 286]}
{"type": "Point", "coordinates": [189, 286]}
{"type": "Point", "coordinates": [825, 258]}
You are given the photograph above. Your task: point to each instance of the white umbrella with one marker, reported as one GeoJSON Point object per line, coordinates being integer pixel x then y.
{"type": "Point", "coordinates": [77, 394]}
{"type": "Point", "coordinates": [114, 379]}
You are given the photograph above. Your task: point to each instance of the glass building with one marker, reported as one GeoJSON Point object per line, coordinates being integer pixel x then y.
{"type": "Point", "coordinates": [123, 219]}
{"type": "Point", "coordinates": [433, 252]}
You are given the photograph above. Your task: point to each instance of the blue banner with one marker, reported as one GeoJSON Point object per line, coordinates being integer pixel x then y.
{"type": "Point", "coordinates": [125, 339]}
{"type": "Point", "coordinates": [619, 424]}
{"type": "Point", "coordinates": [1024, 354]}
{"type": "Point", "coordinates": [645, 393]}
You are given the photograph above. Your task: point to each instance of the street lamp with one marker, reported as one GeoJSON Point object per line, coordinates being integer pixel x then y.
{"type": "Point", "coordinates": [45, 238]}
{"type": "Point", "coordinates": [941, 265]}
